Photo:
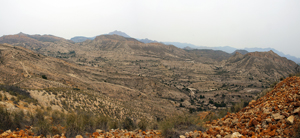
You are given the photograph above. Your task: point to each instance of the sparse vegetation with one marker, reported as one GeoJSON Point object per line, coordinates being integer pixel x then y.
{"type": "Point", "coordinates": [19, 93]}
{"type": "Point", "coordinates": [221, 113]}
{"type": "Point", "coordinates": [263, 93]}
{"type": "Point", "coordinates": [174, 125]}
{"type": "Point", "coordinates": [274, 84]}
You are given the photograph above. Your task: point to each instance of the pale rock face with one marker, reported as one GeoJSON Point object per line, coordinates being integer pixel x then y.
{"type": "Point", "coordinates": [290, 119]}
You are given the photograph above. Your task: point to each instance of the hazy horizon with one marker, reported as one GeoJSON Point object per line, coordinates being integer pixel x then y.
{"type": "Point", "coordinates": [239, 24]}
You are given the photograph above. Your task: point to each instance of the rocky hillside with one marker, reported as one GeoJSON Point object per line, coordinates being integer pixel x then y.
{"type": "Point", "coordinates": [277, 114]}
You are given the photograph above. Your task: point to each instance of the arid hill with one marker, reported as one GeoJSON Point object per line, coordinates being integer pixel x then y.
{"type": "Point", "coordinates": [67, 86]}
{"type": "Point", "coordinates": [123, 68]}
{"type": "Point", "coordinates": [263, 65]}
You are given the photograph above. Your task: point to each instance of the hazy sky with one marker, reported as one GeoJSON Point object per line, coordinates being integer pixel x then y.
{"type": "Point", "coordinates": [237, 23]}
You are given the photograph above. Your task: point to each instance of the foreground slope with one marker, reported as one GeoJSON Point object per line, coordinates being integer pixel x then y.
{"type": "Point", "coordinates": [274, 115]}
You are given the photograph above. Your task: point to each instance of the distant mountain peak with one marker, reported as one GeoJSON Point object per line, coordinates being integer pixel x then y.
{"type": "Point", "coordinates": [241, 51]}
{"type": "Point", "coordinates": [187, 48]}
{"type": "Point", "coordinates": [21, 33]}
{"type": "Point", "coordinates": [146, 40]}
{"type": "Point", "coordinates": [271, 52]}
{"type": "Point", "coordinates": [116, 32]}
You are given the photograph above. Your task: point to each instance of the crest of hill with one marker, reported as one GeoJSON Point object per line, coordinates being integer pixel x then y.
{"type": "Point", "coordinates": [77, 39]}
{"type": "Point", "coordinates": [273, 115]}
{"type": "Point", "coordinates": [131, 46]}
{"type": "Point", "coordinates": [116, 44]}
{"type": "Point", "coordinates": [272, 57]}
{"type": "Point", "coordinates": [116, 32]}
{"type": "Point", "coordinates": [21, 37]}
{"type": "Point", "coordinates": [39, 43]}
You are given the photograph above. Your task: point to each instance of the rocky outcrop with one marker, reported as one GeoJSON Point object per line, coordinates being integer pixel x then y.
{"type": "Point", "coordinates": [274, 115]}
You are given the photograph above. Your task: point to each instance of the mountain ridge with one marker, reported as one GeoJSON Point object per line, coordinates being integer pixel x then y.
{"type": "Point", "coordinates": [227, 49]}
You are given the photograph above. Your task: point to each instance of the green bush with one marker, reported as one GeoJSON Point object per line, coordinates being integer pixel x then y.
{"type": "Point", "coordinates": [5, 119]}
{"type": "Point", "coordinates": [128, 124]}
{"type": "Point", "coordinates": [178, 124]}
{"type": "Point", "coordinates": [11, 120]}
{"type": "Point", "coordinates": [114, 124]}
{"type": "Point", "coordinates": [274, 84]}
{"type": "Point", "coordinates": [102, 122]}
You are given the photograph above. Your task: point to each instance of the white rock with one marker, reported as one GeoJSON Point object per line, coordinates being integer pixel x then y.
{"type": "Point", "coordinates": [182, 136]}
{"type": "Point", "coordinates": [236, 135]}
{"type": "Point", "coordinates": [99, 130]}
{"type": "Point", "coordinates": [269, 120]}
{"type": "Point", "coordinates": [290, 119]}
